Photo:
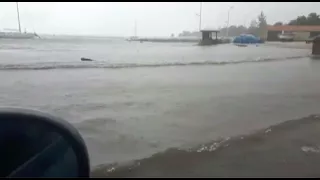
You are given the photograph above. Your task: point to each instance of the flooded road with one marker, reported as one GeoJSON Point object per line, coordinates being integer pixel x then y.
{"type": "Point", "coordinates": [189, 96]}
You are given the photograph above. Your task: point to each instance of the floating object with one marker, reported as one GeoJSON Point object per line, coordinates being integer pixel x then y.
{"type": "Point", "coordinates": [86, 59]}
{"type": "Point", "coordinates": [242, 45]}
{"type": "Point", "coordinates": [310, 149]}
{"type": "Point", "coordinates": [268, 130]}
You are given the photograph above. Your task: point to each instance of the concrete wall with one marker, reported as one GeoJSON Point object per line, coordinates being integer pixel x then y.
{"type": "Point", "coordinates": [316, 46]}
{"type": "Point", "coordinates": [301, 36]}
{"type": "Point", "coordinates": [298, 36]}
{"type": "Point", "coordinates": [263, 33]}
{"type": "Point", "coordinates": [313, 34]}
{"type": "Point", "coordinates": [273, 35]}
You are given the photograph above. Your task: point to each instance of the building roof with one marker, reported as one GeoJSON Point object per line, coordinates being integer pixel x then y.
{"type": "Point", "coordinates": [209, 30]}
{"type": "Point", "coordinates": [294, 28]}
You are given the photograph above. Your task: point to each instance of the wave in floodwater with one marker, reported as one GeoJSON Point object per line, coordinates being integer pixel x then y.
{"type": "Point", "coordinates": [101, 64]}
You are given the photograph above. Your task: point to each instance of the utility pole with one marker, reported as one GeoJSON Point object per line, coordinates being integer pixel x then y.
{"type": "Point", "coordinates": [231, 7]}
{"type": "Point", "coordinates": [200, 13]}
{"type": "Point", "coordinates": [18, 17]}
{"type": "Point", "coordinates": [200, 16]}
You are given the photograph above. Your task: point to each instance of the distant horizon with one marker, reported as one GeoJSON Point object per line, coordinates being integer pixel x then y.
{"type": "Point", "coordinates": [153, 18]}
{"type": "Point", "coordinates": [97, 36]}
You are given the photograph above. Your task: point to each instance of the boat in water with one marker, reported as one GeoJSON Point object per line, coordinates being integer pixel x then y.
{"type": "Point", "coordinates": [134, 37]}
{"type": "Point", "coordinates": [18, 34]}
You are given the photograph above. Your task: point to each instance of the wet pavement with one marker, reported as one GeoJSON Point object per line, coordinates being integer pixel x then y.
{"type": "Point", "coordinates": [289, 149]}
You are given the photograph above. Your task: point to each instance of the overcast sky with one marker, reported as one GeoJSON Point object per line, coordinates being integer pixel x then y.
{"type": "Point", "coordinates": [153, 19]}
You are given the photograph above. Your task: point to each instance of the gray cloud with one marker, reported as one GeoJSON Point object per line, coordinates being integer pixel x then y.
{"type": "Point", "coordinates": [153, 19]}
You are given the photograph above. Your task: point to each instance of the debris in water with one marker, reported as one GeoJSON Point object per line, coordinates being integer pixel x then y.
{"type": "Point", "coordinates": [268, 130]}
{"type": "Point", "coordinates": [201, 149]}
{"type": "Point", "coordinates": [111, 169]}
{"type": "Point", "coordinates": [86, 59]}
{"type": "Point", "coordinates": [310, 149]}
{"type": "Point", "coordinates": [212, 148]}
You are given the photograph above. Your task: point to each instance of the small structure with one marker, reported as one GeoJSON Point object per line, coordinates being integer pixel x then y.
{"type": "Point", "coordinates": [316, 46]}
{"type": "Point", "coordinates": [207, 38]}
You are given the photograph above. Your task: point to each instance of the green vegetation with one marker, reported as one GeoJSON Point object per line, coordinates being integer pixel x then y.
{"type": "Point", "coordinates": [258, 26]}
{"type": "Point", "coordinates": [311, 19]}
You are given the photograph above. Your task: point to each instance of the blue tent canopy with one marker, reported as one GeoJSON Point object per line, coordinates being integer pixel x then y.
{"type": "Point", "coordinates": [246, 39]}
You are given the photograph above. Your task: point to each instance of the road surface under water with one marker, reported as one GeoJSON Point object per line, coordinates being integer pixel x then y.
{"type": "Point", "coordinates": [139, 99]}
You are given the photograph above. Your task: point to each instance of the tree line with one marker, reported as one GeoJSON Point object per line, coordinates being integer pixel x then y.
{"type": "Point", "coordinates": [312, 19]}
{"type": "Point", "coordinates": [258, 26]}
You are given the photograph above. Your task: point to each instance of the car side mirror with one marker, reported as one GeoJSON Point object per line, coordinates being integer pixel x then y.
{"type": "Point", "coordinates": [35, 144]}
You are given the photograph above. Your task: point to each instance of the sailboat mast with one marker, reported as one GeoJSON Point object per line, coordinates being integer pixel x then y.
{"type": "Point", "coordinates": [135, 28]}
{"type": "Point", "coordinates": [18, 17]}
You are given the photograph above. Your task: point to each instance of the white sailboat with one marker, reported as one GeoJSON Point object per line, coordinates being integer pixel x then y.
{"type": "Point", "coordinates": [135, 37]}
{"type": "Point", "coordinates": [18, 35]}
